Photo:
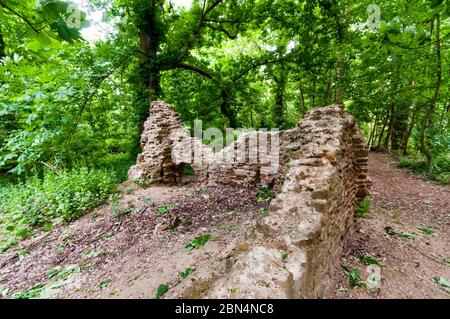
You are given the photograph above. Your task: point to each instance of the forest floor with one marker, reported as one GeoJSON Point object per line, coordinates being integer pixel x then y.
{"type": "Point", "coordinates": [407, 231]}
{"type": "Point", "coordinates": [127, 251]}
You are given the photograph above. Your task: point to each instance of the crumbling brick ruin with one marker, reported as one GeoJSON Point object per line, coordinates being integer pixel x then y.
{"type": "Point", "coordinates": [293, 249]}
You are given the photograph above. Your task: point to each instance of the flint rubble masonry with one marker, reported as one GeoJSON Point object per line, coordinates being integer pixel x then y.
{"type": "Point", "coordinates": [292, 250]}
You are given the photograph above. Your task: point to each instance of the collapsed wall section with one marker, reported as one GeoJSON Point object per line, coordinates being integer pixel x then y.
{"type": "Point", "coordinates": [167, 147]}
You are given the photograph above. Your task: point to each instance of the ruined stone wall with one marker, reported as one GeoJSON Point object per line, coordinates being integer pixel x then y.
{"type": "Point", "coordinates": [292, 251]}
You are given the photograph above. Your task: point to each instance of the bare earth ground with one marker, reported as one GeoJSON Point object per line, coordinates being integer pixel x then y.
{"type": "Point", "coordinates": [126, 251]}
{"type": "Point", "coordinates": [404, 202]}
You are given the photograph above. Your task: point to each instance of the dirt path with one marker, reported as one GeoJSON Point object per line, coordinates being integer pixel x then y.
{"type": "Point", "coordinates": [410, 258]}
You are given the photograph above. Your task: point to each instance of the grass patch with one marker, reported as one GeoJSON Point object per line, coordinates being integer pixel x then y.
{"type": "Point", "coordinates": [38, 202]}
{"type": "Point", "coordinates": [264, 193]}
{"type": "Point", "coordinates": [164, 210]}
{"type": "Point", "coordinates": [427, 231]}
{"type": "Point", "coordinates": [354, 277]}
{"type": "Point", "coordinates": [187, 272]}
{"type": "Point", "coordinates": [198, 242]}
{"type": "Point", "coordinates": [369, 260]}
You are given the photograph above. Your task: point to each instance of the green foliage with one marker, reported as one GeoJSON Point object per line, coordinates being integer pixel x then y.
{"type": "Point", "coordinates": [363, 208]}
{"type": "Point", "coordinates": [444, 283]}
{"type": "Point", "coordinates": [63, 272]}
{"type": "Point", "coordinates": [32, 293]}
{"type": "Point", "coordinates": [264, 193]}
{"type": "Point", "coordinates": [369, 260]}
{"type": "Point", "coordinates": [198, 242]}
{"type": "Point", "coordinates": [407, 235]}
{"type": "Point", "coordinates": [188, 171]}
{"type": "Point", "coordinates": [187, 272]}
{"type": "Point", "coordinates": [446, 260]}
{"type": "Point", "coordinates": [164, 210]}
{"type": "Point", "coordinates": [354, 277]}
{"type": "Point", "coordinates": [390, 231]}
{"type": "Point", "coordinates": [144, 182]}
{"type": "Point", "coordinates": [441, 168]}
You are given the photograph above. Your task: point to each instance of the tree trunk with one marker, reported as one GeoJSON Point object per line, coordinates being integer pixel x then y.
{"type": "Point", "coordinates": [147, 12]}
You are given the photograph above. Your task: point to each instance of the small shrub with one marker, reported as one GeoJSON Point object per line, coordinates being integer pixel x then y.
{"type": "Point", "coordinates": [363, 208]}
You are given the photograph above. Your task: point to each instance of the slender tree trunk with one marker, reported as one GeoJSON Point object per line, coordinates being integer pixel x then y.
{"type": "Point", "coordinates": [383, 129]}
{"type": "Point", "coordinates": [428, 124]}
{"type": "Point", "coordinates": [2, 46]}
{"type": "Point", "coordinates": [408, 134]}
{"type": "Point", "coordinates": [226, 109]}
{"type": "Point", "coordinates": [387, 141]}
{"type": "Point", "coordinates": [401, 117]}
{"type": "Point", "coordinates": [342, 37]}
{"type": "Point", "coordinates": [341, 76]}
{"type": "Point", "coordinates": [329, 88]}
{"type": "Point", "coordinates": [445, 110]}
